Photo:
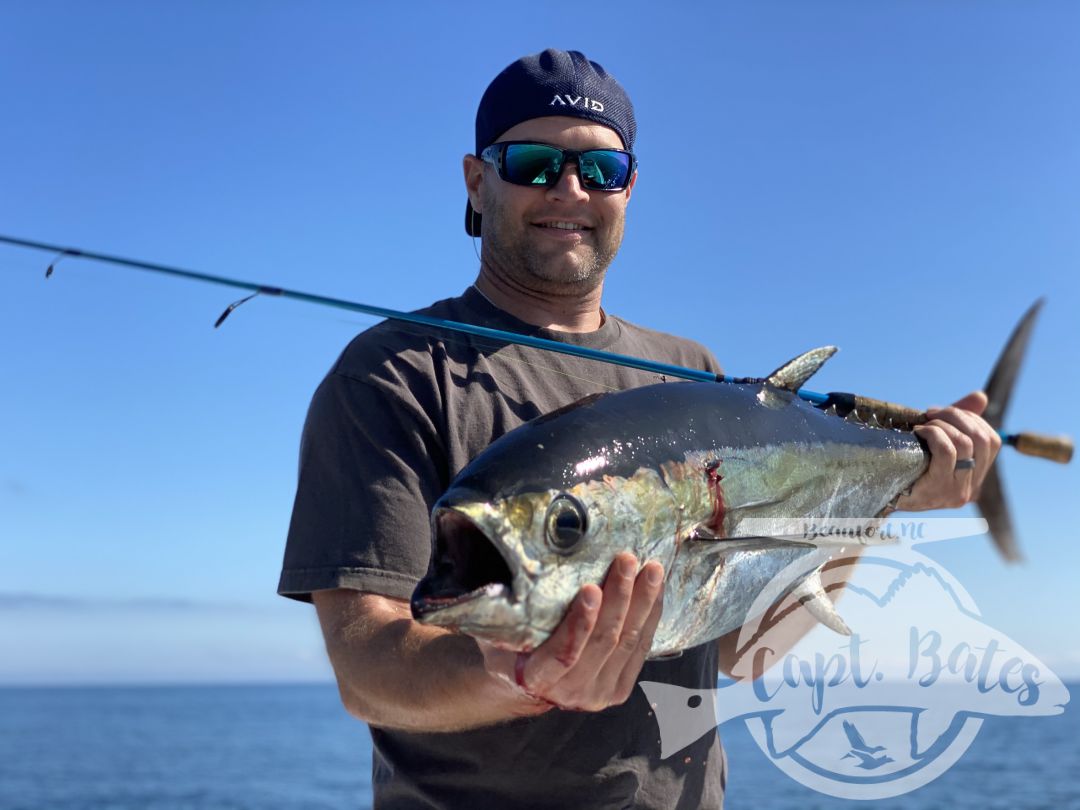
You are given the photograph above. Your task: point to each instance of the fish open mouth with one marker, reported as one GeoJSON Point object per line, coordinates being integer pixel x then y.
{"type": "Point", "coordinates": [467, 566]}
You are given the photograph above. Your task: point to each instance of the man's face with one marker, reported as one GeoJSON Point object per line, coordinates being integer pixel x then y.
{"type": "Point", "coordinates": [559, 239]}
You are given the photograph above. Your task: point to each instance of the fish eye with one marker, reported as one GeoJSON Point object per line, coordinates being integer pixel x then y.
{"type": "Point", "coordinates": [566, 523]}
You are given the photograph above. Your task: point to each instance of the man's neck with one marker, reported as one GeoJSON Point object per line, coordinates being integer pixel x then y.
{"type": "Point", "coordinates": [580, 313]}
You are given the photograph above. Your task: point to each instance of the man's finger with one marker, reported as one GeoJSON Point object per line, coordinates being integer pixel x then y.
{"type": "Point", "coordinates": [648, 590]}
{"type": "Point", "coordinates": [618, 593]}
{"type": "Point", "coordinates": [941, 447]}
{"type": "Point", "coordinates": [943, 485]}
{"type": "Point", "coordinates": [983, 438]}
{"type": "Point", "coordinates": [551, 661]}
{"type": "Point", "coordinates": [975, 402]}
{"type": "Point", "coordinates": [627, 678]}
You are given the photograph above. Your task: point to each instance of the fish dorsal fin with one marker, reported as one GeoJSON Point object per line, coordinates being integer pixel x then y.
{"type": "Point", "coordinates": [794, 373]}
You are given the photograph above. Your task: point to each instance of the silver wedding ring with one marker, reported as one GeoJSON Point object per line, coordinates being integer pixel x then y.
{"type": "Point", "coordinates": [965, 463]}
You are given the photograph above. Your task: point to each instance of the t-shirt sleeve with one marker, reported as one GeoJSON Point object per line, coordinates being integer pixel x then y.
{"type": "Point", "coordinates": [371, 467]}
{"type": "Point", "coordinates": [710, 362]}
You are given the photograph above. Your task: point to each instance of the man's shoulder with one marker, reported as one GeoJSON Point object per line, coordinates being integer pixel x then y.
{"type": "Point", "coordinates": [393, 344]}
{"type": "Point", "coordinates": [666, 347]}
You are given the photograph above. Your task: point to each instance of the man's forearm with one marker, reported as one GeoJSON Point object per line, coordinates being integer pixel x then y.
{"type": "Point", "coordinates": [394, 672]}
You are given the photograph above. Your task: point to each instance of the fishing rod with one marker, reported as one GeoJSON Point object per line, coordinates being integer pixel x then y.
{"type": "Point", "coordinates": [852, 406]}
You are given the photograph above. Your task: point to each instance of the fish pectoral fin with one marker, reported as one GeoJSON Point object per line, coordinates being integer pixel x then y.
{"type": "Point", "coordinates": [794, 373]}
{"type": "Point", "coordinates": [810, 593]}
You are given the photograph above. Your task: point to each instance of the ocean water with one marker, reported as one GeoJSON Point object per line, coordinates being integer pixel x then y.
{"type": "Point", "coordinates": [295, 747]}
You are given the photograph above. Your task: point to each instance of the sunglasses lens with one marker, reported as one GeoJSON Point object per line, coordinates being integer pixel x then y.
{"type": "Point", "coordinates": [532, 164]}
{"type": "Point", "coordinates": [605, 169]}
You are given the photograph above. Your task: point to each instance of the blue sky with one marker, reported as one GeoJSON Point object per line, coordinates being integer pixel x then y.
{"type": "Point", "coordinates": [898, 179]}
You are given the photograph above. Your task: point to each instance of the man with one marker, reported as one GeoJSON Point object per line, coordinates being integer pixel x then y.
{"type": "Point", "coordinates": [455, 724]}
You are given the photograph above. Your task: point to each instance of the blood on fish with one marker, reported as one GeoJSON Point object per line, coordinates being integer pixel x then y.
{"type": "Point", "coordinates": [715, 524]}
{"type": "Point", "coordinates": [519, 669]}
{"type": "Point", "coordinates": [519, 677]}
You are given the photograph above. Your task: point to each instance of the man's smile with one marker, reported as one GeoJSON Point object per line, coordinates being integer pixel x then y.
{"type": "Point", "coordinates": [563, 228]}
{"type": "Point", "coordinates": [566, 226]}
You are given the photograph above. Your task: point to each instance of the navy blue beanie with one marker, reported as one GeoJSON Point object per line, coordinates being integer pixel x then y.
{"type": "Point", "coordinates": [550, 83]}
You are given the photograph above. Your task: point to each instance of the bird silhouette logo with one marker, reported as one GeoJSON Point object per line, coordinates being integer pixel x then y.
{"type": "Point", "coordinates": [862, 751]}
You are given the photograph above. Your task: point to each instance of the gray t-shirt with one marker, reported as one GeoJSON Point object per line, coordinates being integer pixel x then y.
{"type": "Point", "coordinates": [397, 417]}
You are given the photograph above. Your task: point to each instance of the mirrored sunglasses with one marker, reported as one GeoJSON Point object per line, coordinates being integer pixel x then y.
{"type": "Point", "coordinates": [525, 163]}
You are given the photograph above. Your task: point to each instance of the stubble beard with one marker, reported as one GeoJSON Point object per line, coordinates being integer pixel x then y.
{"type": "Point", "coordinates": [567, 273]}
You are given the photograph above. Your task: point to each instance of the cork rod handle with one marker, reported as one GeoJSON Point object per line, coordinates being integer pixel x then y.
{"type": "Point", "coordinates": [1054, 448]}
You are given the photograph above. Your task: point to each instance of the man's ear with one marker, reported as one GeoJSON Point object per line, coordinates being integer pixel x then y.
{"type": "Point", "coordinates": [630, 185]}
{"type": "Point", "coordinates": [474, 179]}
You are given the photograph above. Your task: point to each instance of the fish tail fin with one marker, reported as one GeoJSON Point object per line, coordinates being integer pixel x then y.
{"type": "Point", "coordinates": [991, 503]}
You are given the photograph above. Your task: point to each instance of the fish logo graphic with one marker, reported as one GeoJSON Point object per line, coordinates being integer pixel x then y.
{"type": "Point", "coordinates": [880, 712]}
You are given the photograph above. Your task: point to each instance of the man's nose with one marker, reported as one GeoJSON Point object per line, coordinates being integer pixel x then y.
{"type": "Point", "coordinates": [568, 186]}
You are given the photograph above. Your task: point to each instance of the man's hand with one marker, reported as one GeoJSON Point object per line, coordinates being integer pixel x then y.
{"type": "Point", "coordinates": [956, 433]}
{"type": "Point", "coordinates": [592, 659]}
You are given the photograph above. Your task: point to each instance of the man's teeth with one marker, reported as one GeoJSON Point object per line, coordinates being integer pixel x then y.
{"type": "Point", "coordinates": [565, 226]}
